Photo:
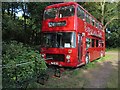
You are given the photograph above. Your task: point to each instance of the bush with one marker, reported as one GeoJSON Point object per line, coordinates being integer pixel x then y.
{"type": "Point", "coordinates": [20, 64]}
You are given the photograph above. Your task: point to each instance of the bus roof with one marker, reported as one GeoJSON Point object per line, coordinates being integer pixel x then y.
{"type": "Point", "coordinates": [61, 4]}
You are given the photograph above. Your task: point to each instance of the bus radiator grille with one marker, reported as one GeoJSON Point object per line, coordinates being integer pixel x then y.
{"type": "Point", "coordinates": [57, 57]}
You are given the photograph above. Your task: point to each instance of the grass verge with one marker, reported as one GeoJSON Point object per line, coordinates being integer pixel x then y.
{"type": "Point", "coordinates": [93, 63]}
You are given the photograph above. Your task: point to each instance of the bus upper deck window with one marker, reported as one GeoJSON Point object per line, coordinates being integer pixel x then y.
{"type": "Point", "coordinates": [93, 22]}
{"type": "Point", "coordinates": [66, 11]}
{"type": "Point", "coordinates": [80, 13]}
{"type": "Point", "coordinates": [96, 25]}
{"type": "Point", "coordinates": [100, 27]}
{"type": "Point", "coordinates": [87, 18]}
{"type": "Point", "coordinates": [50, 13]}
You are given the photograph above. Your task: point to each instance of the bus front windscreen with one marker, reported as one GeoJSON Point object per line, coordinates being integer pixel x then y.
{"type": "Point", "coordinates": [63, 11]}
{"type": "Point", "coordinates": [59, 40]}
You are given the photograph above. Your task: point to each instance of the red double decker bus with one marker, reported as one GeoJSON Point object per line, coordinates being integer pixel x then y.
{"type": "Point", "coordinates": [71, 36]}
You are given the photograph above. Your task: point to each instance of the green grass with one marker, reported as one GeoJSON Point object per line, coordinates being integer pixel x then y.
{"type": "Point", "coordinates": [113, 49]}
{"type": "Point", "coordinates": [75, 72]}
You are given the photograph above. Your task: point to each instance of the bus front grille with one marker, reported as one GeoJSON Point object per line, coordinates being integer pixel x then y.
{"type": "Point", "coordinates": [57, 57]}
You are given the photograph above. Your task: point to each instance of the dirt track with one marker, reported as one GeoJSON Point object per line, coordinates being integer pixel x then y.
{"type": "Point", "coordinates": [100, 76]}
{"type": "Point", "coordinates": [103, 75]}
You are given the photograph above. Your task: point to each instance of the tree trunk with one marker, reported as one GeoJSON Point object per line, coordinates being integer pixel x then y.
{"type": "Point", "coordinates": [12, 6]}
{"type": "Point", "coordinates": [103, 11]}
{"type": "Point", "coordinates": [8, 9]}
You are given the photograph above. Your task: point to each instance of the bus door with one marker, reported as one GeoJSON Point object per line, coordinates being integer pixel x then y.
{"type": "Point", "coordinates": [79, 48]}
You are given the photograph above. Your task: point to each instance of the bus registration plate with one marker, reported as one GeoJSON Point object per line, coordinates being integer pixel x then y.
{"type": "Point", "coordinates": [54, 63]}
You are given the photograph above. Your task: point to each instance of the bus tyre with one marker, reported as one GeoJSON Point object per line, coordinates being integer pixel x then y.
{"type": "Point", "coordinates": [87, 58]}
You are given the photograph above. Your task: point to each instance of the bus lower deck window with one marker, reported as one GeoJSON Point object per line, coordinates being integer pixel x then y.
{"type": "Point", "coordinates": [93, 42]}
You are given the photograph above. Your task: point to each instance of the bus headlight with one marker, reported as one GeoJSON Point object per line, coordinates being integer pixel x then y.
{"type": "Point", "coordinates": [43, 55]}
{"type": "Point", "coordinates": [68, 57]}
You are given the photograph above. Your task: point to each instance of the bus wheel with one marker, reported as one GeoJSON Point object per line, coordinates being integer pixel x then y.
{"type": "Point", "coordinates": [87, 58]}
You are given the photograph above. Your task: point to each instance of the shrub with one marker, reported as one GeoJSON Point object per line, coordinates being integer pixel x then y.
{"type": "Point", "coordinates": [20, 64]}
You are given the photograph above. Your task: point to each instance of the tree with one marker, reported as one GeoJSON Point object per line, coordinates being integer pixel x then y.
{"type": "Point", "coordinates": [104, 11]}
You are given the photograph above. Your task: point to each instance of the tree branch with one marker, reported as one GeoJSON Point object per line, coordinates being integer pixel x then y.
{"type": "Point", "coordinates": [112, 8]}
{"type": "Point", "coordinates": [115, 17]}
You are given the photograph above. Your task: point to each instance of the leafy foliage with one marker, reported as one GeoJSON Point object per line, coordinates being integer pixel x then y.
{"type": "Point", "coordinates": [27, 27]}
{"type": "Point", "coordinates": [20, 64]}
{"type": "Point", "coordinates": [112, 38]}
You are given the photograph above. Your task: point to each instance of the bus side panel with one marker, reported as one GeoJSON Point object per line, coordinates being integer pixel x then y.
{"type": "Point", "coordinates": [80, 25]}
